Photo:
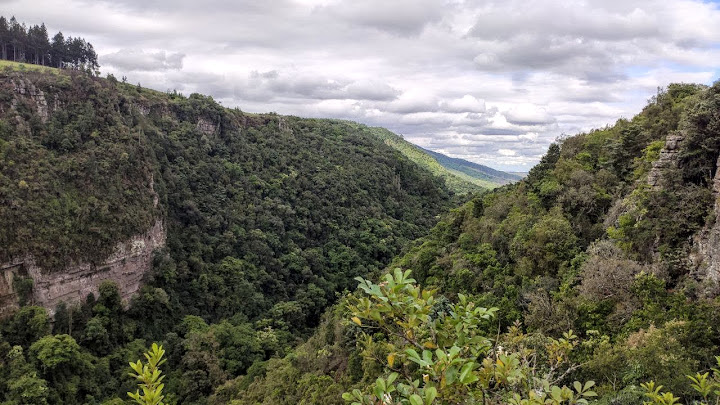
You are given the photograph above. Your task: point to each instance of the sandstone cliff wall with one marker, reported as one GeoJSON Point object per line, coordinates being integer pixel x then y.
{"type": "Point", "coordinates": [126, 266]}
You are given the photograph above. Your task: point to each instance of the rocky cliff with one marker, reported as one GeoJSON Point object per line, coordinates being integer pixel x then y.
{"type": "Point", "coordinates": [126, 266]}
{"type": "Point", "coordinates": [668, 158]}
{"type": "Point", "coordinates": [706, 256]}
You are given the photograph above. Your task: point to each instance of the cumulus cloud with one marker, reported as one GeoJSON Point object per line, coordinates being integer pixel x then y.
{"type": "Point", "coordinates": [467, 104]}
{"type": "Point", "coordinates": [414, 101]}
{"type": "Point", "coordinates": [477, 79]}
{"type": "Point", "coordinates": [528, 114]}
{"type": "Point", "coordinates": [371, 90]}
{"type": "Point", "coordinates": [140, 60]}
{"type": "Point", "coordinates": [405, 17]}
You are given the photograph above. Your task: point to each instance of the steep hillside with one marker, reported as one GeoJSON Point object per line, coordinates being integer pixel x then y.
{"type": "Point", "coordinates": [264, 219]}
{"type": "Point", "coordinates": [460, 175]}
{"type": "Point", "coordinates": [613, 235]}
{"type": "Point", "coordinates": [474, 170]}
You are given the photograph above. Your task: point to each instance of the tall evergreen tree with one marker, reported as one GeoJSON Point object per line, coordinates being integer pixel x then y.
{"type": "Point", "coordinates": [4, 36]}
{"type": "Point", "coordinates": [18, 40]}
{"type": "Point", "coordinates": [74, 49]}
{"type": "Point", "coordinates": [43, 43]}
{"type": "Point", "coordinates": [58, 52]}
{"type": "Point", "coordinates": [14, 37]}
{"type": "Point", "coordinates": [33, 45]}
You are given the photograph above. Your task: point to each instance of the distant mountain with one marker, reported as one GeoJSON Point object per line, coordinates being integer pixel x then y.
{"type": "Point", "coordinates": [473, 170]}
{"type": "Point", "coordinates": [460, 175]}
{"type": "Point", "coordinates": [521, 174]}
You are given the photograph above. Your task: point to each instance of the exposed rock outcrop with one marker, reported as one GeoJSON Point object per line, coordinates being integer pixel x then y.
{"type": "Point", "coordinates": [668, 158]}
{"type": "Point", "coordinates": [27, 88]}
{"type": "Point", "coordinates": [206, 126]}
{"type": "Point", "coordinates": [707, 242]}
{"type": "Point", "coordinates": [284, 126]}
{"type": "Point", "coordinates": [126, 266]}
{"type": "Point", "coordinates": [143, 109]}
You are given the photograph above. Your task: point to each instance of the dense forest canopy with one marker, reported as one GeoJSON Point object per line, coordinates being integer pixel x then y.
{"type": "Point", "coordinates": [268, 219]}
{"type": "Point", "coordinates": [20, 43]}
{"type": "Point", "coordinates": [581, 283]}
{"type": "Point", "coordinates": [578, 284]}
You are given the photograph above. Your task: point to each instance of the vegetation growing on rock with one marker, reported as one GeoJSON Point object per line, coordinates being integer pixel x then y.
{"type": "Point", "coordinates": [580, 272]}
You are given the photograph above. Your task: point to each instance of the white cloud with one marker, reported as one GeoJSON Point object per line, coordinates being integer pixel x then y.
{"type": "Point", "coordinates": [474, 78]}
{"type": "Point", "coordinates": [467, 103]}
{"type": "Point", "coordinates": [140, 60]}
{"type": "Point", "coordinates": [528, 114]}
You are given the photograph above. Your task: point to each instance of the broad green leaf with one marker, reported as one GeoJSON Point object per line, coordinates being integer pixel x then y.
{"type": "Point", "coordinates": [430, 395]}
{"type": "Point", "coordinates": [415, 399]}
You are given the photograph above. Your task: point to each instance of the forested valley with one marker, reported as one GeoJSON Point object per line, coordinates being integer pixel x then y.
{"type": "Point", "coordinates": [590, 281]}
{"type": "Point", "coordinates": [268, 218]}
{"type": "Point", "coordinates": [307, 261]}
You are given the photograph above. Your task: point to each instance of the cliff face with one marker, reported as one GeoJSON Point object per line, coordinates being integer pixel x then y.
{"type": "Point", "coordinates": [706, 256]}
{"type": "Point", "coordinates": [668, 158]}
{"type": "Point", "coordinates": [126, 266]}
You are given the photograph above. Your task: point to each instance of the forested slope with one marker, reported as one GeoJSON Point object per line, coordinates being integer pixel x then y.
{"type": "Point", "coordinates": [268, 218]}
{"type": "Point", "coordinates": [609, 236]}
{"type": "Point", "coordinates": [476, 171]}
{"type": "Point", "coordinates": [460, 175]}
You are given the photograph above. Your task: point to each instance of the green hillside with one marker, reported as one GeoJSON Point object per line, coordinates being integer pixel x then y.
{"type": "Point", "coordinates": [594, 278]}
{"type": "Point", "coordinates": [10, 65]}
{"type": "Point", "coordinates": [460, 175]}
{"type": "Point", "coordinates": [268, 218]}
{"type": "Point", "coordinates": [596, 265]}
{"type": "Point", "coordinates": [474, 170]}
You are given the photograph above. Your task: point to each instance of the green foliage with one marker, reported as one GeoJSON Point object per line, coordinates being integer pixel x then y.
{"type": "Point", "coordinates": [149, 377]}
{"type": "Point", "coordinates": [269, 219]}
{"type": "Point", "coordinates": [651, 153]}
{"type": "Point", "coordinates": [708, 387]}
{"type": "Point", "coordinates": [29, 324]}
{"type": "Point", "coordinates": [539, 251]}
{"type": "Point", "coordinates": [24, 386]}
{"type": "Point", "coordinates": [459, 175]}
{"type": "Point", "coordinates": [23, 287]}
{"type": "Point", "coordinates": [55, 354]}
{"type": "Point", "coordinates": [446, 356]}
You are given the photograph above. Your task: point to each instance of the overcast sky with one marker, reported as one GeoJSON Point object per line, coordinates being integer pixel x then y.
{"type": "Point", "coordinates": [493, 82]}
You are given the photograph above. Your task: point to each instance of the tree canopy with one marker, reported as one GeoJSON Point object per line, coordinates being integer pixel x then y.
{"type": "Point", "coordinates": [32, 44]}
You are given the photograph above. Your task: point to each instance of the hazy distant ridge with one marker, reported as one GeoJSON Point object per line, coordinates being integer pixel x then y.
{"type": "Point", "coordinates": [473, 169]}
{"type": "Point", "coordinates": [460, 175]}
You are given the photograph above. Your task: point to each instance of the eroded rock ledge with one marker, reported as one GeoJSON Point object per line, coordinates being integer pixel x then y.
{"type": "Point", "coordinates": [126, 266]}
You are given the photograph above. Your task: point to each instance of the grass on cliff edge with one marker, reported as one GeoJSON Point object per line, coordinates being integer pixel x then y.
{"type": "Point", "coordinates": [18, 66]}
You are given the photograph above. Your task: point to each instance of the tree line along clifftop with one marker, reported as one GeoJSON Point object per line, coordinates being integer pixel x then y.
{"type": "Point", "coordinates": [20, 43]}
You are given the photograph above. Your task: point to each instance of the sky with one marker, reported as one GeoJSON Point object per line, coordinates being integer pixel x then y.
{"type": "Point", "coordinates": [493, 82]}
